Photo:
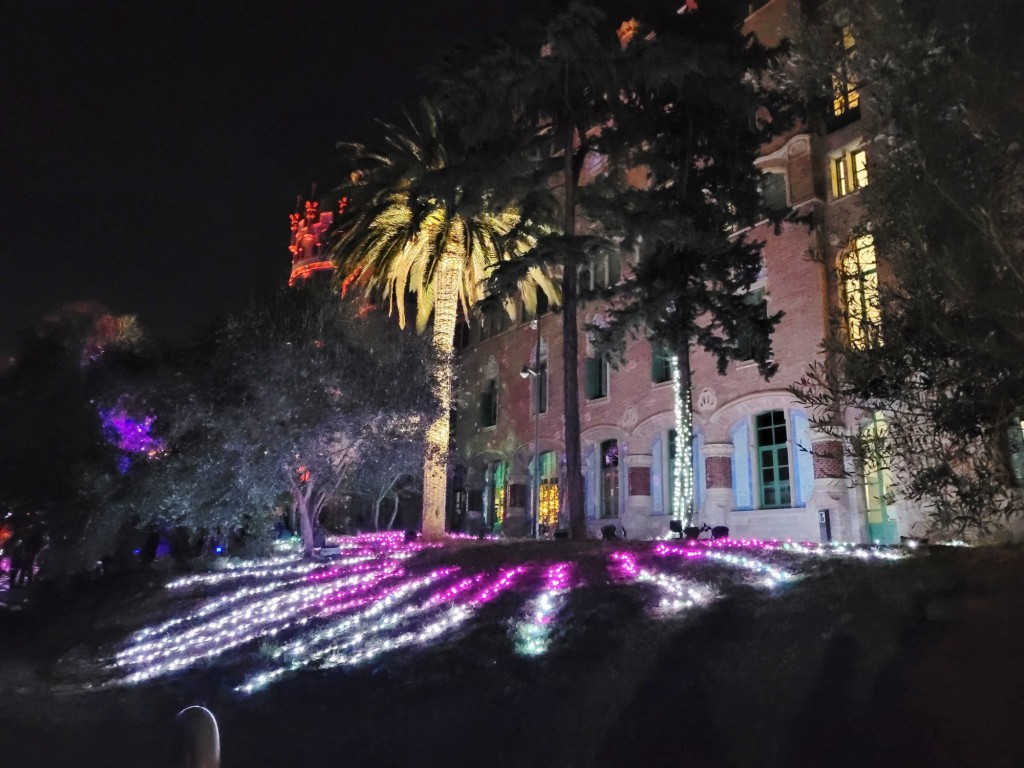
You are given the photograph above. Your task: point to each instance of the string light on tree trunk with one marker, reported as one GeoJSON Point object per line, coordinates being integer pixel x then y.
{"type": "Point", "coordinates": [682, 478]}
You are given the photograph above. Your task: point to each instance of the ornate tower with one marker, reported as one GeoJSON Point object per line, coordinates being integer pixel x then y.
{"type": "Point", "coordinates": [309, 230]}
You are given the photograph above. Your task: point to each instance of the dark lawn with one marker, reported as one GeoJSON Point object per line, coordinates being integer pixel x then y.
{"type": "Point", "coordinates": [908, 663]}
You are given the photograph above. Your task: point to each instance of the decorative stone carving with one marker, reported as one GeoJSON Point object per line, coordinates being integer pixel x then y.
{"type": "Point", "coordinates": [491, 369]}
{"type": "Point", "coordinates": [629, 417]}
{"type": "Point", "coordinates": [707, 400]}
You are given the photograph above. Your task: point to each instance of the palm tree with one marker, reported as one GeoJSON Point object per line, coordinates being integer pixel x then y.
{"type": "Point", "coordinates": [421, 222]}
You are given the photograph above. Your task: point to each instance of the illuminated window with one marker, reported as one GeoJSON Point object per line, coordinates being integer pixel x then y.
{"type": "Point", "coordinates": [878, 494]}
{"type": "Point", "coordinates": [495, 490]}
{"type": "Point", "coordinates": [860, 292]}
{"type": "Point", "coordinates": [665, 467]}
{"type": "Point", "coordinates": [673, 463]}
{"type": "Point", "coordinates": [548, 510]}
{"type": "Point", "coordinates": [772, 459]}
{"type": "Point", "coordinates": [845, 96]}
{"type": "Point", "coordinates": [849, 172]}
{"type": "Point", "coordinates": [489, 404]}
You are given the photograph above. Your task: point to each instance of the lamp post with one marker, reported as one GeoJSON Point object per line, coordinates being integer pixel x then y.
{"type": "Point", "coordinates": [527, 372]}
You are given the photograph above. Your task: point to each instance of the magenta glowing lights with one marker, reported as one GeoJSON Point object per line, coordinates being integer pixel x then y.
{"type": "Point", "coordinates": [391, 621]}
{"type": "Point", "coordinates": [368, 646]}
{"type": "Point", "coordinates": [675, 594]}
{"type": "Point", "coordinates": [129, 434]}
{"type": "Point", "coordinates": [268, 598]}
{"type": "Point", "coordinates": [770, 576]}
{"type": "Point", "coordinates": [374, 600]}
{"type": "Point", "coordinates": [533, 633]}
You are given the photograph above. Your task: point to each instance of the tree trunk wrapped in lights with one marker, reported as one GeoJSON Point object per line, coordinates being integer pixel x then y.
{"type": "Point", "coordinates": [682, 478]}
{"type": "Point", "coordinates": [435, 460]}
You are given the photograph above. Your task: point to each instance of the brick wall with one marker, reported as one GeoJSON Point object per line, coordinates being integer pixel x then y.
{"type": "Point", "coordinates": [828, 459]}
{"type": "Point", "coordinates": [719, 471]}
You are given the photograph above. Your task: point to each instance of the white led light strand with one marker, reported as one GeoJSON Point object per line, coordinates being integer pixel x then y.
{"type": "Point", "coordinates": [675, 594]}
{"type": "Point", "coordinates": [309, 650]}
{"type": "Point", "coordinates": [449, 620]}
{"type": "Point", "coordinates": [533, 633]}
{"type": "Point", "coordinates": [682, 481]}
{"type": "Point", "coordinates": [771, 575]}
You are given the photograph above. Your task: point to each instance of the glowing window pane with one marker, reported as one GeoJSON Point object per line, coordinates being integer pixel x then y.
{"type": "Point", "coordinates": [877, 475]}
{"type": "Point", "coordinates": [844, 82]}
{"type": "Point", "coordinates": [848, 40]}
{"type": "Point", "coordinates": [859, 161]}
{"type": "Point", "coordinates": [842, 182]}
{"type": "Point", "coordinates": [547, 513]}
{"type": "Point", "coordinates": [850, 172]}
{"type": "Point", "coordinates": [548, 503]}
{"type": "Point", "coordinates": [860, 288]}
{"type": "Point", "coordinates": [498, 490]}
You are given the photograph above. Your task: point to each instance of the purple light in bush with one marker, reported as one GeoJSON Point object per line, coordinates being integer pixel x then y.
{"type": "Point", "coordinates": [131, 435]}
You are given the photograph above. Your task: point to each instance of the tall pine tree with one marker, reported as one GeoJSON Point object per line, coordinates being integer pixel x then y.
{"type": "Point", "coordinates": [693, 111]}
{"type": "Point", "coordinates": [671, 106]}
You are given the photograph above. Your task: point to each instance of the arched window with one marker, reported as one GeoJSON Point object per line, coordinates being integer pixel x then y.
{"type": "Point", "coordinates": [859, 275]}
{"type": "Point", "coordinates": [845, 94]}
{"type": "Point", "coordinates": [877, 479]}
{"type": "Point", "coordinates": [547, 511]}
{"type": "Point", "coordinates": [772, 445]}
{"type": "Point", "coordinates": [609, 473]}
{"type": "Point", "coordinates": [494, 492]}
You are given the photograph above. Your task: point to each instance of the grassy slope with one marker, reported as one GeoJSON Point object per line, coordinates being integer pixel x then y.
{"type": "Point", "coordinates": [912, 663]}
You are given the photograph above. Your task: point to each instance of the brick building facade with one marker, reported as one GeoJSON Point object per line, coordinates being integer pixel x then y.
{"type": "Point", "coordinates": [760, 466]}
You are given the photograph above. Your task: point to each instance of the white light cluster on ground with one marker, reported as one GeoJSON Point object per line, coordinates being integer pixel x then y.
{"type": "Point", "coordinates": [450, 618]}
{"type": "Point", "coordinates": [837, 549]}
{"type": "Point", "coordinates": [675, 594]}
{"type": "Point", "coordinates": [260, 618]}
{"type": "Point", "coordinates": [375, 601]}
{"type": "Point", "coordinates": [770, 575]}
{"type": "Point", "coordinates": [278, 596]}
{"type": "Point", "coordinates": [533, 632]}
{"type": "Point", "coordinates": [309, 650]}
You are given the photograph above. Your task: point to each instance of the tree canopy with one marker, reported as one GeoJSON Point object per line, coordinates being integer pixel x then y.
{"type": "Point", "coordinates": [642, 122]}
{"type": "Point", "coordinates": [294, 395]}
{"type": "Point", "coordinates": [943, 107]}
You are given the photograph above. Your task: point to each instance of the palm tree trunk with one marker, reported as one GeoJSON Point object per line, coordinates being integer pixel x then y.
{"type": "Point", "coordinates": [435, 460]}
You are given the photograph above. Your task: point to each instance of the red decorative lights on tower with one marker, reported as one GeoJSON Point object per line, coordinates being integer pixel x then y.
{"type": "Point", "coordinates": [309, 229]}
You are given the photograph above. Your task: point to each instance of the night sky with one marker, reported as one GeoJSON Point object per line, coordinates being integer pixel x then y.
{"type": "Point", "coordinates": [150, 152]}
